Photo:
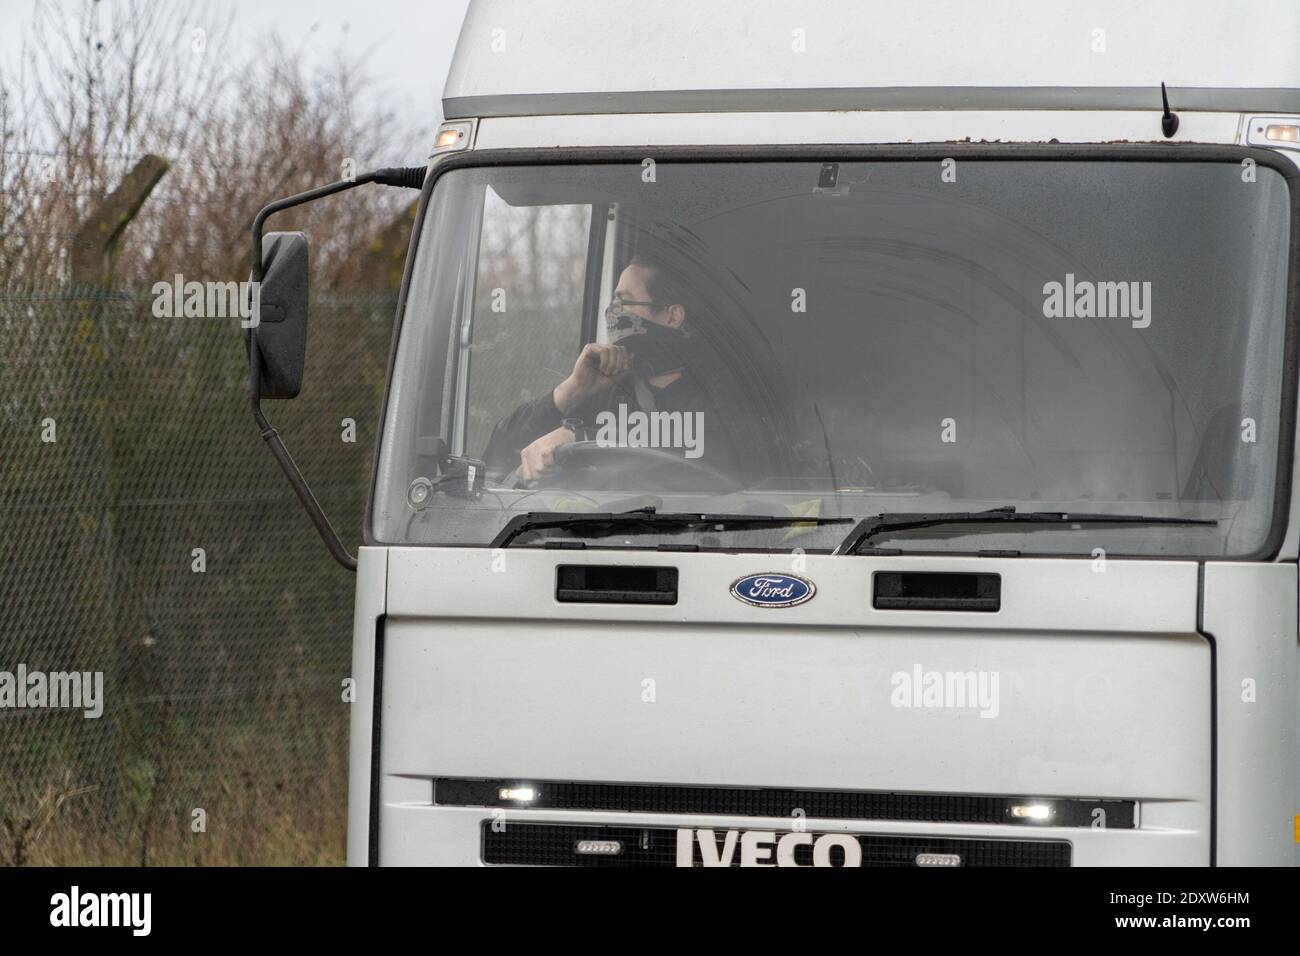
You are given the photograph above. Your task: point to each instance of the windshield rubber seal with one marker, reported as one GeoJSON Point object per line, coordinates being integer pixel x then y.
{"type": "Point", "coordinates": [921, 152]}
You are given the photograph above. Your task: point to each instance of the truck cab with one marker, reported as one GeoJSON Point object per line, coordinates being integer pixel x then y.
{"type": "Point", "coordinates": [859, 436]}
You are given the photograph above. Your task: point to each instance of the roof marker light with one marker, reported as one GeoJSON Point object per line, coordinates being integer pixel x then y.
{"type": "Point", "coordinates": [452, 137]}
{"type": "Point", "coordinates": [1273, 132]}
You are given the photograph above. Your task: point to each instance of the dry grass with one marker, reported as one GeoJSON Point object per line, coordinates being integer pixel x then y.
{"type": "Point", "coordinates": [296, 816]}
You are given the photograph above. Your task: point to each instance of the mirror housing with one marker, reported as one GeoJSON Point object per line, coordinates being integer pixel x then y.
{"type": "Point", "coordinates": [280, 310]}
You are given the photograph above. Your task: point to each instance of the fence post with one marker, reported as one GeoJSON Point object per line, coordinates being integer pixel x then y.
{"type": "Point", "coordinates": [93, 256]}
{"type": "Point", "coordinates": [95, 244]}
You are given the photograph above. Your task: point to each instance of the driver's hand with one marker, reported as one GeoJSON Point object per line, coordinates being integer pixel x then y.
{"type": "Point", "coordinates": [538, 459]}
{"type": "Point", "coordinates": [597, 368]}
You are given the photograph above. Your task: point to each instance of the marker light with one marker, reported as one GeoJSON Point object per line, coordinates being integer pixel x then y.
{"type": "Point", "coordinates": [1275, 132]}
{"type": "Point", "coordinates": [522, 794]}
{"type": "Point", "coordinates": [1279, 133]}
{"type": "Point", "coordinates": [938, 859]}
{"type": "Point", "coordinates": [451, 137]}
{"type": "Point", "coordinates": [1031, 811]}
{"type": "Point", "coordinates": [598, 848]}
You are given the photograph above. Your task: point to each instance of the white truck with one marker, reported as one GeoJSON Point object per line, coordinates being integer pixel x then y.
{"type": "Point", "coordinates": [846, 434]}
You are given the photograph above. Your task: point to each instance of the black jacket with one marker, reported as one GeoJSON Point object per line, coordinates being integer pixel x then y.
{"type": "Point", "coordinates": [539, 417]}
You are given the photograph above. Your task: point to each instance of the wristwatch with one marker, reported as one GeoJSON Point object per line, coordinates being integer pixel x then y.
{"type": "Point", "coordinates": [577, 426]}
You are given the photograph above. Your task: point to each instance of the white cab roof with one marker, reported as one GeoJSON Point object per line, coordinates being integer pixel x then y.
{"type": "Point", "coordinates": [547, 57]}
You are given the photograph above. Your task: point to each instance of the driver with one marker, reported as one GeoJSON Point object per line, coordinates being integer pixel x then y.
{"type": "Point", "coordinates": [644, 369]}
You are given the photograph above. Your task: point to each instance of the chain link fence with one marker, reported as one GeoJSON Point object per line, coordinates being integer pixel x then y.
{"type": "Point", "coordinates": [148, 536]}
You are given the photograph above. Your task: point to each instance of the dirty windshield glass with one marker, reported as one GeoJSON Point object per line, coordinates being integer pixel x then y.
{"type": "Point", "coordinates": [823, 339]}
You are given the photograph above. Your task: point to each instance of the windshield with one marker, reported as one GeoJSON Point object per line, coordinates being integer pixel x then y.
{"type": "Point", "coordinates": [825, 339]}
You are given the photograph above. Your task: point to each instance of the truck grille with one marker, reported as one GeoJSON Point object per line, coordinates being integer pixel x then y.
{"type": "Point", "coordinates": [544, 844]}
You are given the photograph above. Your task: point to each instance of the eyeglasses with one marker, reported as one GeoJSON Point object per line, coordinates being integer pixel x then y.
{"type": "Point", "coordinates": [617, 308]}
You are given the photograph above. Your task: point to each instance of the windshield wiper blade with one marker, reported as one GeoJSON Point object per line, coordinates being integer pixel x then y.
{"type": "Point", "coordinates": [643, 520]}
{"type": "Point", "coordinates": [868, 528]}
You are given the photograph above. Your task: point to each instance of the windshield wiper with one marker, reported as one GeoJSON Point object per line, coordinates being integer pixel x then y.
{"type": "Point", "coordinates": [868, 528]}
{"type": "Point", "coordinates": [643, 521]}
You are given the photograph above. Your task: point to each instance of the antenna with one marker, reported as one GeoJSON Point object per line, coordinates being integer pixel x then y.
{"type": "Point", "coordinates": [1169, 121]}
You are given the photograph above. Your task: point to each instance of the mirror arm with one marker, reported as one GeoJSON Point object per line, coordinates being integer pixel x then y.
{"type": "Point", "coordinates": [409, 177]}
{"type": "Point", "coordinates": [302, 489]}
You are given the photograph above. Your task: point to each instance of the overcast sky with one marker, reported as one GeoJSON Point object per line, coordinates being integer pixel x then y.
{"type": "Point", "coordinates": [406, 45]}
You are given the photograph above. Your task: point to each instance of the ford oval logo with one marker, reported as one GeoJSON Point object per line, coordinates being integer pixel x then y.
{"type": "Point", "coordinates": [773, 590]}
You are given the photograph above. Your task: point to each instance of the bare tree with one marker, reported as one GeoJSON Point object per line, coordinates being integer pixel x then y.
{"type": "Point", "coordinates": [104, 84]}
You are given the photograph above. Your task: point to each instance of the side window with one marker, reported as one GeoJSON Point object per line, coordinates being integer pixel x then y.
{"type": "Point", "coordinates": [527, 313]}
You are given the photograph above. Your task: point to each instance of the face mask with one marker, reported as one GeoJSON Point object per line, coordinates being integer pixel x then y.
{"type": "Point", "coordinates": [655, 348]}
{"type": "Point", "coordinates": [619, 324]}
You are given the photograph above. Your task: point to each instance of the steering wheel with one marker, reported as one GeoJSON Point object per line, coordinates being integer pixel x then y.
{"type": "Point", "coordinates": [580, 463]}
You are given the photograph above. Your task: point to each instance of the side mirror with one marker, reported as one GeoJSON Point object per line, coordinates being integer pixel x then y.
{"type": "Point", "coordinates": [276, 331]}
{"type": "Point", "coordinates": [281, 330]}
